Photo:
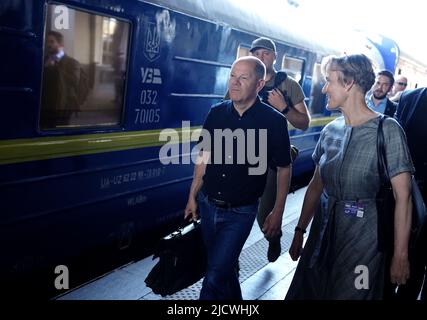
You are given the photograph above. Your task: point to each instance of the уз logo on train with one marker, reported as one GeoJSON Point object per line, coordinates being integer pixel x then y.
{"type": "Point", "coordinates": [151, 75]}
{"type": "Point", "coordinates": [152, 42]}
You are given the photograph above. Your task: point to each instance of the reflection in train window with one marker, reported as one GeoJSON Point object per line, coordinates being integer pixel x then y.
{"type": "Point", "coordinates": [293, 67]}
{"type": "Point", "coordinates": [317, 98]}
{"type": "Point", "coordinates": [84, 69]}
{"type": "Point", "coordinates": [242, 51]}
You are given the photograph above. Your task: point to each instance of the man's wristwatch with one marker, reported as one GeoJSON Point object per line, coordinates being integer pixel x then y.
{"type": "Point", "coordinates": [286, 110]}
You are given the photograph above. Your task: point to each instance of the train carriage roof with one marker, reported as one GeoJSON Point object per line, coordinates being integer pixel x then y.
{"type": "Point", "coordinates": [279, 22]}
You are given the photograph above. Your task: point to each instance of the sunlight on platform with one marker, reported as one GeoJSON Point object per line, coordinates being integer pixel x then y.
{"type": "Point", "coordinates": [260, 280]}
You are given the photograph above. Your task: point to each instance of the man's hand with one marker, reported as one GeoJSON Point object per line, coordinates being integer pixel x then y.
{"type": "Point", "coordinates": [191, 209]}
{"type": "Point", "coordinates": [277, 100]}
{"type": "Point", "coordinates": [272, 225]}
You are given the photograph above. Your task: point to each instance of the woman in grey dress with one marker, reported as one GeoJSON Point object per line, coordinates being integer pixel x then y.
{"type": "Point", "coordinates": [340, 259]}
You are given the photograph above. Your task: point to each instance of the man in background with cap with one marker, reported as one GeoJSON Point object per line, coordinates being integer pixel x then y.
{"type": "Point", "coordinates": [288, 98]}
{"type": "Point", "coordinates": [296, 112]}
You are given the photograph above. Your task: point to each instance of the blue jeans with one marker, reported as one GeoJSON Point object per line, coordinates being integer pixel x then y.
{"type": "Point", "coordinates": [224, 233]}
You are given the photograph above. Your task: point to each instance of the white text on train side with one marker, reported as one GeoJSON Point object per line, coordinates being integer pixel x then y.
{"type": "Point", "coordinates": [151, 75]}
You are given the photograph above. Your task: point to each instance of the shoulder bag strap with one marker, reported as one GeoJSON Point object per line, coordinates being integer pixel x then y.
{"type": "Point", "coordinates": [382, 159]}
{"type": "Point", "coordinates": [280, 77]}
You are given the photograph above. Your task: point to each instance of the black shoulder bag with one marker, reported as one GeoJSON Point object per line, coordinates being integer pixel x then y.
{"type": "Point", "coordinates": [385, 197]}
{"type": "Point", "coordinates": [281, 76]}
{"type": "Point", "coordinates": [182, 260]}
{"type": "Point", "coordinates": [386, 203]}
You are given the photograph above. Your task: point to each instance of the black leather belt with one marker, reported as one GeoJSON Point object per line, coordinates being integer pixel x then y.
{"type": "Point", "coordinates": [226, 205]}
{"type": "Point", "coordinates": [220, 203]}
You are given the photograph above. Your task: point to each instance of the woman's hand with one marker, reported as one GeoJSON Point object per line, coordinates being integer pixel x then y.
{"type": "Point", "coordinates": [399, 269]}
{"type": "Point", "coordinates": [296, 247]}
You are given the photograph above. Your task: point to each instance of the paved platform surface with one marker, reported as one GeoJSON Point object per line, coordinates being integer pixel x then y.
{"type": "Point", "coordinates": [260, 280]}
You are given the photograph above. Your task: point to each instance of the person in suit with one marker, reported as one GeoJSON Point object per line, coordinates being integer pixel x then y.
{"type": "Point", "coordinates": [412, 115]}
{"type": "Point", "coordinates": [376, 98]}
{"type": "Point", "coordinates": [60, 84]}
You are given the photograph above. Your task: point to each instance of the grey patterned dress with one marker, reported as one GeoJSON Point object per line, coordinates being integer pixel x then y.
{"type": "Point", "coordinates": [339, 242]}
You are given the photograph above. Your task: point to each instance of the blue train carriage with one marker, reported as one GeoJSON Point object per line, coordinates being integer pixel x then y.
{"type": "Point", "coordinates": [89, 179]}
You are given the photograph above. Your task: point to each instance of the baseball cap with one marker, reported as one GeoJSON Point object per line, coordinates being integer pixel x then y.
{"type": "Point", "coordinates": [263, 43]}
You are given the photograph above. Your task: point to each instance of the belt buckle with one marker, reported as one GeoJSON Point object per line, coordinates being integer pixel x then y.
{"type": "Point", "coordinates": [219, 203]}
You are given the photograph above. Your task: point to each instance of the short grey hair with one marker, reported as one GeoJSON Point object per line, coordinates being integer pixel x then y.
{"type": "Point", "coordinates": [355, 67]}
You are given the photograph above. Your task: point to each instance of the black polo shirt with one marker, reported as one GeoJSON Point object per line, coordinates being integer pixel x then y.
{"type": "Point", "coordinates": [231, 182]}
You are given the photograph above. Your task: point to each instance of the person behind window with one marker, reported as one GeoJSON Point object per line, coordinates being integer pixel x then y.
{"type": "Point", "coordinates": [341, 259]}
{"type": "Point", "coordinates": [60, 84]}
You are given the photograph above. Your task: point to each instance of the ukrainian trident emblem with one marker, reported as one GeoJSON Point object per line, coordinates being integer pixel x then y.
{"type": "Point", "coordinates": [152, 42]}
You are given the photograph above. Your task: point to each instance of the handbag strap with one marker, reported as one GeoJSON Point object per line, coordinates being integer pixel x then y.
{"type": "Point", "coordinates": [382, 159]}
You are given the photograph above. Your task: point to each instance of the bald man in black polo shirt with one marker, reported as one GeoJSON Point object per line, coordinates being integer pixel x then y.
{"type": "Point", "coordinates": [240, 138]}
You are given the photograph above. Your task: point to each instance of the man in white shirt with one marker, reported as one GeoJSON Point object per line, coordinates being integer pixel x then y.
{"type": "Point", "coordinates": [376, 98]}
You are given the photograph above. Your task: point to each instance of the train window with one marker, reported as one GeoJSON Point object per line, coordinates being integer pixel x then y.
{"type": "Point", "coordinates": [317, 98]}
{"type": "Point", "coordinates": [293, 67]}
{"type": "Point", "coordinates": [84, 69]}
{"type": "Point", "coordinates": [243, 51]}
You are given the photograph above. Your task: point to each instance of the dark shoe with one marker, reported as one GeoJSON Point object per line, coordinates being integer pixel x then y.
{"type": "Point", "coordinates": [274, 249]}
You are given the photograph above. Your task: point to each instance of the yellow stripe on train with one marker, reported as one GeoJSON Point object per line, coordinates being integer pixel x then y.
{"type": "Point", "coordinates": [24, 150]}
